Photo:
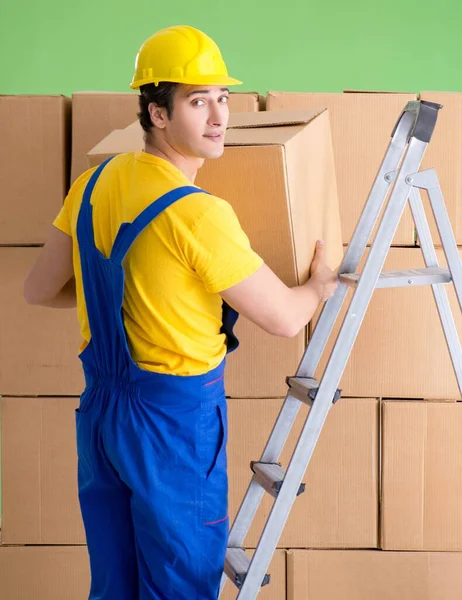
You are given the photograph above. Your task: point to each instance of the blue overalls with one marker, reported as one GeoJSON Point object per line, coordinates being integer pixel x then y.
{"type": "Point", "coordinates": [151, 447]}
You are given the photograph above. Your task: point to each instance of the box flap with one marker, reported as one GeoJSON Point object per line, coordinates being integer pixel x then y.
{"type": "Point", "coordinates": [281, 118]}
{"type": "Point", "coordinates": [249, 128]}
{"type": "Point", "coordinates": [267, 128]}
{"type": "Point", "coordinates": [118, 141]}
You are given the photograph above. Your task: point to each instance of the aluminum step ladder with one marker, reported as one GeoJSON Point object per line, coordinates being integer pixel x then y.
{"type": "Point", "coordinates": [399, 170]}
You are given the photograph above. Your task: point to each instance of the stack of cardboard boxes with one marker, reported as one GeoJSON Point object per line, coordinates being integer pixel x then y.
{"type": "Point", "coordinates": [39, 366]}
{"type": "Point", "coordinates": [382, 495]}
{"type": "Point", "coordinates": [400, 357]}
{"type": "Point", "coordinates": [42, 553]}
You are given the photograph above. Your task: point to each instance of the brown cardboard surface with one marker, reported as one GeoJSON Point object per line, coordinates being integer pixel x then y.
{"type": "Point", "coordinates": [39, 472]}
{"type": "Point", "coordinates": [373, 575]}
{"type": "Point", "coordinates": [421, 476]}
{"type": "Point", "coordinates": [262, 362]}
{"type": "Point", "coordinates": [95, 115]}
{"type": "Point", "coordinates": [244, 102]}
{"type": "Point", "coordinates": [120, 140]}
{"type": "Point", "coordinates": [44, 573]}
{"type": "Point", "coordinates": [63, 573]}
{"type": "Point", "coordinates": [339, 508]}
{"type": "Point", "coordinates": [38, 346]}
{"type": "Point", "coordinates": [400, 351]}
{"type": "Point", "coordinates": [34, 170]}
{"type": "Point", "coordinates": [271, 119]}
{"type": "Point", "coordinates": [283, 206]}
{"type": "Point", "coordinates": [275, 590]}
{"type": "Point", "coordinates": [444, 154]}
{"type": "Point", "coordinates": [362, 124]}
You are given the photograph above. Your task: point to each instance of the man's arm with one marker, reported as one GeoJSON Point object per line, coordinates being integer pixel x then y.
{"type": "Point", "coordinates": [266, 301]}
{"type": "Point", "coordinates": [50, 282]}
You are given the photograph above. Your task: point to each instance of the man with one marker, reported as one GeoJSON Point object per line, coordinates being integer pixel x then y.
{"type": "Point", "coordinates": [154, 265]}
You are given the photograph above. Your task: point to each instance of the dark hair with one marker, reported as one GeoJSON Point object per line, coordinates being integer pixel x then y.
{"type": "Point", "coordinates": [162, 95]}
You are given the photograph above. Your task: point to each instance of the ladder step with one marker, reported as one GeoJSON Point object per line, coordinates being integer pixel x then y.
{"type": "Point", "coordinates": [270, 476]}
{"type": "Point", "coordinates": [389, 279]}
{"type": "Point", "coordinates": [306, 388]}
{"type": "Point", "coordinates": [237, 565]}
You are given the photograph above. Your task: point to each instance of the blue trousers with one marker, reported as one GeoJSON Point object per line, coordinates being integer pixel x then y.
{"type": "Point", "coordinates": [153, 485]}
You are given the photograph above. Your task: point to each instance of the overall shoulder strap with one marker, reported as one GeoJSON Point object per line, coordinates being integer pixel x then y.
{"type": "Point", "coordinates": [85, 232]}
{"type": "Point", "coordinates": [128, 232]}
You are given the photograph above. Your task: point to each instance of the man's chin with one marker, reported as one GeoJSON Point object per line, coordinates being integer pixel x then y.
{"type": "Point", "coordinates": [207, 154]}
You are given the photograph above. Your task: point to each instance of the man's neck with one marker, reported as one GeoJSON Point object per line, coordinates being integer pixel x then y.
{"type": "Point", "coordinates": [188, 166]}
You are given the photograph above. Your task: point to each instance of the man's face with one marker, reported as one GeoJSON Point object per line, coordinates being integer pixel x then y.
{"type": "Point", "coordinates": [199, 120]}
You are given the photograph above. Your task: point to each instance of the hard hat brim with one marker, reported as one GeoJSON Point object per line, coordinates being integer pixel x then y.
{"type": "Point", "coordinates": [200, 80]}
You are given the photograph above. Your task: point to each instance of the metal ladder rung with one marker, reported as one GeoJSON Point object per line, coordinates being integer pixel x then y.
{"type": "Point", "coordinates": [389, 279]}
{"type": "Point", "coordinates": [305, 389]}
{"type": "Point", "coordinates": [237, 565]}
{"type": "Point", "coordinates": [270, 476]}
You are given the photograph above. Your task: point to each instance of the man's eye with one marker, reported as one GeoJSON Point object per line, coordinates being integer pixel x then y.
{"type": "Point", "coordinates": [223, 99]}
{"type": "Point", "coordinates": [198, 102]}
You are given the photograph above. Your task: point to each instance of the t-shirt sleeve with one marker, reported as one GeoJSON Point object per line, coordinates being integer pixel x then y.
{"type": "Point", "coordinates": [66, 218]}
{"type": "Point", "coordinates": [63, 221]}
{"type": "Point", "coordinates": [219, 250]}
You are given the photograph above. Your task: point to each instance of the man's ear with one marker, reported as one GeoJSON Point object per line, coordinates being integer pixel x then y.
{"type": "Point", "coordinates": [158, 115]}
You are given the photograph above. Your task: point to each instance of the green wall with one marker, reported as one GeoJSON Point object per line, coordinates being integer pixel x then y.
{"type": "Point", "coordinates": [51, 46]}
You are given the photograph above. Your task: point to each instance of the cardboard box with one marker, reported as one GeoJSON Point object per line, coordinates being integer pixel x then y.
{"type": "Point", "coordinates": [282, 205]}
{"type": "Point", "coordinates": [339, 508]}
{"type": "Point", "coordinates": [421, 476]}
{"type": "Point", "coordinates": [34, 171]}
{"type": "Point", "coordinates": [44, 573]}
{"type": "Point", "coordinates": [244, 102]}
{"type": "Point", "coordinates": [362, 124]}
{"type": "Point", "coordinates": [38, 346]}
{"type": "Point", "coordinates": [263, 175]}
{"type": "Point", "coordinates": [259, 367]}
{"type": "Point", "coordinates": [63, 573]}
{"type": "Point", "coordinates": [39, 472]}
{"type": "Point", "coordinates": [400, 351]}
{"type": "Point", "coordinates": [95, 115]}
{"type": "Point", "coordinates": [373, 575]}
{"type": "Point", "coordinates": [444, 154]}
{"type": "Point", "coordinates": [40, 501]}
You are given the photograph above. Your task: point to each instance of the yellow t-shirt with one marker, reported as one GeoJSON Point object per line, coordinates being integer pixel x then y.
{"type": "Point", "coordinates": [174, 270]}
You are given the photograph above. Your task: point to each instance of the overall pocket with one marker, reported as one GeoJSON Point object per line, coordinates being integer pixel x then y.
{"type": "Point", "coordinates": [214, 466]}
{"type": "Point", "coordinates": [84, 422]}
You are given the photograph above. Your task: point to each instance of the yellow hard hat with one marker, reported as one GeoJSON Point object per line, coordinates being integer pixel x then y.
{"type": "Point", "coordinates": [180, 54]}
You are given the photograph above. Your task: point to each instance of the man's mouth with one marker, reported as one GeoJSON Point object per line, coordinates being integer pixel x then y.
{"type": "Point", "coordinates": [215, 137]}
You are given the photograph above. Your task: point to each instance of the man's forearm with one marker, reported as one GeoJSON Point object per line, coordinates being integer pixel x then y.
{"type": "Point", "coordinates": [305, 302]}
{"type": "Point", "coordinates": [66, 298]}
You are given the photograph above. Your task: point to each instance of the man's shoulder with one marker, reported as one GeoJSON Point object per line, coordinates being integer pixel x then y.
{"type": "Point", "coordinates": [203, 206]}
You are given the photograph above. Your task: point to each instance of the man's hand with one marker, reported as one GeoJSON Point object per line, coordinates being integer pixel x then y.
{"type": "Point", "coordinates": [278, 309]}
{"type": "Point", "coordinates": [50, 282]}
{"type": "Point", "coordinates": [323, 278]}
